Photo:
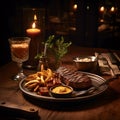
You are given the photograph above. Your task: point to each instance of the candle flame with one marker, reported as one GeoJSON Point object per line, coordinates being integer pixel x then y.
{"type": "Point", "coordinates": [112, 9]}
{"type": "Point", "coordinates": [102, 8]}
{"type": "Point", "coordinates": [75, 6]}
{"type": "Point", "coordinates": [33, 25]}
{"type": "Point", "coordinates": [35, 17]}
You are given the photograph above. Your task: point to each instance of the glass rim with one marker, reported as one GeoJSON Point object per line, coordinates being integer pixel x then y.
{"type": "Point", "coordinates": [19, 38]}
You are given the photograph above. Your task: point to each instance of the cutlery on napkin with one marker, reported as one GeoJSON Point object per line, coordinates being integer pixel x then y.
{"type": "Point", "coordinates": [115, 59]}
{"type": "Point", "coordinates": [105, 64]}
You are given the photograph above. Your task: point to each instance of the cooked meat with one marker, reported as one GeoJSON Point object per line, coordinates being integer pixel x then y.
{"type": "Point", "coordinates": [75, 79]}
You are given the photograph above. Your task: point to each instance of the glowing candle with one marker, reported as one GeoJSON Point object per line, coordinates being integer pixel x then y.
{"type": "Point", "coordinates": [35, 17]}
{"type": "Point", "coordinates": [33, 31]}
{"type": "Point", "coordinates": [112, 9]}
{"type": "Point", "coordinates": [102, 9]}
{"type": "Point", "coordinates": [75, 7]}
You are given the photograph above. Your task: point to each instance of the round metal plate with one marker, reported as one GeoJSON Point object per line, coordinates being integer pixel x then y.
{"type": "Point", "coordinates": [96, 81]}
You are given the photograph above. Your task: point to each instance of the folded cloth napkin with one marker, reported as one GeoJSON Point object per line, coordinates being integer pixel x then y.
{"type": "Point", "coordinates": [105, 64]}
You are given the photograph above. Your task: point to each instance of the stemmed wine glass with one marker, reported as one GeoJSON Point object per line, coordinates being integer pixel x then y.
{"type": "Point", "coordinates": [19, 47]}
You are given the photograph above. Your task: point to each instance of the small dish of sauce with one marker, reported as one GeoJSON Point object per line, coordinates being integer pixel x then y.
{"type": "Point", "coordinates": [61, 91]}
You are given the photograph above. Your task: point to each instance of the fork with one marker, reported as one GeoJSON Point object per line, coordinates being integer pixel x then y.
{"type": "Point", "coordinates": [105, 62]}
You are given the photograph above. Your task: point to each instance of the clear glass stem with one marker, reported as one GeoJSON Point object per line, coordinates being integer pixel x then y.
{"type": "Point", "coordinates": [20, 67]}
{"type": "Point", "coordinates": [20, 74]}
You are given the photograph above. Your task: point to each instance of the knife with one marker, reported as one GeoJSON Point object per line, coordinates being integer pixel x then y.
{"type": "Point", "coordinates": [117, 57]}
{"type": "Point", "coordinates": [13, 111]}
{"type": "Point", "coordinates": [114, 58]}
{"type": "Point", "coordinates": [110, 68]}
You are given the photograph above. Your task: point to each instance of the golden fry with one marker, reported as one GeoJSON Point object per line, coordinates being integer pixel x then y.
{"type": "Point", "coordinates": [50, 74]}
{"type": "Point", "coordinates": [42, 79]}
{"type": "Point", "coordinates": [36, 88]}
{"type": "Point", "coordinates": [30, 86]}
{"type": "Point", "coordinates": [44, 73]}
{"type": "Point", "coordinates": [32, 81]}
{"type": "Point", "coordinates": [31, 77]}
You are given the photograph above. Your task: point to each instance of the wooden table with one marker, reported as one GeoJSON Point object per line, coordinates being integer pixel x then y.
{"type": "Point", "coordinates": [103, 107]}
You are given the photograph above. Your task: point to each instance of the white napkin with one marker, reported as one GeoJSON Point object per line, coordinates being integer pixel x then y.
{"type": "Point", "coordinates": [104, 68]}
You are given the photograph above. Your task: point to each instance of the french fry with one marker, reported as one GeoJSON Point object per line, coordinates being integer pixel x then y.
{"type": "Point", "coordinates": [35, 81]}
{"type": "Point", "coordinates": [30, 86]}
{"type": "Point", "coordinates": [36, 88]}
{"type": "Point", "coordinates": [32, 81]}
{"type": "Point", "coordinates": [31, 77]}
{"type": "Point", "coordinates": [42, 79]}
{"type": "Point", "coordinates": [50, 74]}
{"type": "Point", "coordinates": [44, 73]}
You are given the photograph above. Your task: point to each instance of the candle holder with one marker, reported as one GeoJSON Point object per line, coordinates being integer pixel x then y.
{"type": "Point", "coordinates": [34, 27]}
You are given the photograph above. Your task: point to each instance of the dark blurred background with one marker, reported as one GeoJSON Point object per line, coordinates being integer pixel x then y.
{"type": "Point", "coordinates": [87, 23]}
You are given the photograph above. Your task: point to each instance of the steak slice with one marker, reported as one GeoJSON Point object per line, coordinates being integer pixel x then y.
{"type": "Point", "coordinates": [75, 79]}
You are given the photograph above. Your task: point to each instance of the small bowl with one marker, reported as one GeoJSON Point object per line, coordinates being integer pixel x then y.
{"type": "Point", "coordinates": [85, 63]}
{"type": "Point", "coordinates": [61, 91]}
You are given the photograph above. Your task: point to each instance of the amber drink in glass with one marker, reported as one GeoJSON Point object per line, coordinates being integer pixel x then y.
{"type": "Point", "coordinates": [19, 47]}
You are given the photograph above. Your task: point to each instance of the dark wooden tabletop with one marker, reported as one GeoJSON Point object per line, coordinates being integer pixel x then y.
{"type": "Point", "coordinates": [13, 103]}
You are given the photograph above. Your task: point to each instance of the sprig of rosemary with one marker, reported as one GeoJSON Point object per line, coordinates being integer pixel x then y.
{"type": "Point", "coordinates": [57, 46]}
{"type": "Point", "coordinates": [60, 48]}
